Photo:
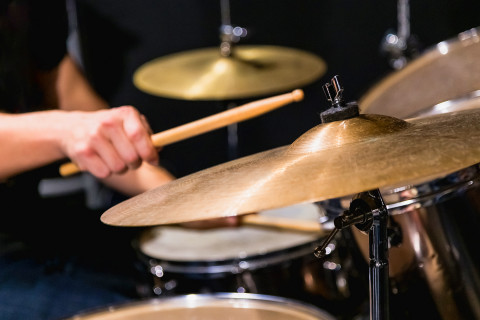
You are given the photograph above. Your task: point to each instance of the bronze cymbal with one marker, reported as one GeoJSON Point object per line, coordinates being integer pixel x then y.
{"type": "Point", "coordinates": [446, 72]}
{"type": "Point", "coordinates": [203, 74]}
{"type": "Point", "coordinates": [331, 160]}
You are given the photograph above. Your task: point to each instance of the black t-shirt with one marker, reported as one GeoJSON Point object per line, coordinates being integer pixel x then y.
{"type": "Point", "coordinates": [32, 39]}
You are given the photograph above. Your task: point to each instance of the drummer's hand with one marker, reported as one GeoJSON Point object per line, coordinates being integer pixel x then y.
{"type": "Point", "coordinates": [108, 141]}
{"type": "Point", "coordinates": [213, 223]}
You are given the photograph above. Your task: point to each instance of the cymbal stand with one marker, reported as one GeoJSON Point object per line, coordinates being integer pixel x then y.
{"type": "Point", "coordinates": [228, 34]}
{"type": "Point", "coordinates": [401, 47]}
{"type": "Point", "coordinates": [369, 214]}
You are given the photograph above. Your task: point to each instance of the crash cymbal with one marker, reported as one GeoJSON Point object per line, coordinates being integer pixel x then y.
{"type": "Point", "coordinates": [203, 74]}
{"type": "Point", "coordinates": [329, 161]}
{"type": "Point", "coordinates": [447, 72]}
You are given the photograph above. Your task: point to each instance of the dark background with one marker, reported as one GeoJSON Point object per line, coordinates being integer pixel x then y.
{"type": "Point", "coordinates": [117, 37]}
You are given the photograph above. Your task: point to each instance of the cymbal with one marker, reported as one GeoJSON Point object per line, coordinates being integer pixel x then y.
{"type": "Point", "coordinates": [203, 74]}
{"type": "Point", "coordinates": [447, 72]}
{"type": "Point", "coordinates": [331, 160]}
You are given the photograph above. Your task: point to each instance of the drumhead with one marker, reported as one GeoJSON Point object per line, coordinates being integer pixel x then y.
{"type": "Point", "coordinates": [173, 243]}
{"type": "Point", "coordinates": [448, 71]}
{"type": "Point", "coordinates": [233, 306]}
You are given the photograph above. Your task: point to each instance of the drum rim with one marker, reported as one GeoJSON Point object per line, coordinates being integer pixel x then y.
{"type": "Point", "coordinates": [428, 193]}
{"type": "Point", "coordinates": [433, 192]}
{"type": "Point", "coordinates": [442, 107]}
{"type": "Point", "coordinates": [195, 300]}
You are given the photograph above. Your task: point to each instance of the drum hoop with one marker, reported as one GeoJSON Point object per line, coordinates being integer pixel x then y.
{"type": "Point", "coordinates": [194, 300]}
{"type": "Point", "coordinates": [236, 266]}
{"type": "Point", "coordinates": [426, 194]}
{"type": "Point", "coordinates": [436, 196]}
{"type": "Point", "coordinates": [443, 107]}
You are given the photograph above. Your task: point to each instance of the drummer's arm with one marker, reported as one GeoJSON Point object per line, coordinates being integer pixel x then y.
{"type": "Point", "coordinates": [137, 181]}
{"type": "Point", "coordinates": [75, 93]}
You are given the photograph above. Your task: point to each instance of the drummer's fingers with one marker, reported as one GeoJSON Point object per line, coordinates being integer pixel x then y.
{"type": "Point", "coordinates": [100, 160]}
{"type": "Point", "coordinates": [120, 152]}
{"type": "Point", "coordinates": [138, 132]}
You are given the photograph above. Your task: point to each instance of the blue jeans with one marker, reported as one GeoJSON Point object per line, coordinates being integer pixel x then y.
{"type": "Point", "coordinates": [43, 289]}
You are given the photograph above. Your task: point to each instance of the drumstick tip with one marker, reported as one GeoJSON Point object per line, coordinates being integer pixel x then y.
{"type": "Point", "coordinates": [297, 95]}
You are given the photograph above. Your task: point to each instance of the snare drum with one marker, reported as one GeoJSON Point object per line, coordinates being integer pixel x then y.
{"type": "Point", "coordinates": [231, 306]}
{"type": "Point", "coordinates": [252, 259]}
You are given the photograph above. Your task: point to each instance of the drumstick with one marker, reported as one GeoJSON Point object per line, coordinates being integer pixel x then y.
{"type": "Point", "coordinates": [284, 223]}
{"type": "Point", "coordinates": [212, 122]}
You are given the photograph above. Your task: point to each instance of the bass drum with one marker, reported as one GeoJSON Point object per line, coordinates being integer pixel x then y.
{"type": "Point", "coordinates": [231, 306]}
{"type": "Point", "coordinates": [444, 78]}
{"type": "Point", "coordinates": [254, 259]}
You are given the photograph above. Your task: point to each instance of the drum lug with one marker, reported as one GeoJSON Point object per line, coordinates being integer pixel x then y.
{"type": "Point", "coordinates": [160, 286]}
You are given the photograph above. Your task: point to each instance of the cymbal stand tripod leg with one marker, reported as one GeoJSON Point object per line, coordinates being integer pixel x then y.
{"type": "Point", "coordinates": [369, 214]}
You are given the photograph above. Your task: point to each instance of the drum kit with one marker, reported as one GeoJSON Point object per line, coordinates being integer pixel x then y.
{"type": "Point", "coordinates": [401, 166]}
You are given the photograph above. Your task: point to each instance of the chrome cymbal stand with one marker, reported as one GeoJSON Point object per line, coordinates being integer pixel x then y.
{"type": "Point", "coordinates": [401, 46]}
{"type": "Point", "coordinates": [367, 212]}
{"type": "Point", "coordinates": [229, 35]}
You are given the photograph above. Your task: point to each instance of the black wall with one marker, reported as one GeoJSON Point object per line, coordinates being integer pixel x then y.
{"type": "Point", "coordinates": [119, 36]}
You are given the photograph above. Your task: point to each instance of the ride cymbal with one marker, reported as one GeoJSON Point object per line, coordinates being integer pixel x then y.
{"type": "Point", "coordinates": [203, 74]}
{"type": "Point", "coordinates": [331, 160]}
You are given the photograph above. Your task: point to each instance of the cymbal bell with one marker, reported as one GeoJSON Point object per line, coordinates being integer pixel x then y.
{"type": "Point", "coordinates": [331, 160]}
{"type": "Point", "coordinates": [203, 74]}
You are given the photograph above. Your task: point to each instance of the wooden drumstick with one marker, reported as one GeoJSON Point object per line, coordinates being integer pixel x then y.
{"type": "Point", "coordinates": [282, 223]}
{"type": "Point", "coordinates": [212, 122]}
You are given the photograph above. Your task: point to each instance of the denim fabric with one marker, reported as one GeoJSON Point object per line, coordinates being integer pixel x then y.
{"type": "Point", "coordinates": [51, 289]}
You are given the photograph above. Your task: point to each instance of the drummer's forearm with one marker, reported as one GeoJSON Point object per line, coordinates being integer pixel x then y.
{"type": "Point", "coordinates": [137, 181]}
{"type": "Point", "coordinates": [28, 141]}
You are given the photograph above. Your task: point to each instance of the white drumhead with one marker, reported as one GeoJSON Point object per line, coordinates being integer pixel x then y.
{"type": "Point", "coordinates": [173, 243]}
{"type": "Point", "coordinates": [205, 307]}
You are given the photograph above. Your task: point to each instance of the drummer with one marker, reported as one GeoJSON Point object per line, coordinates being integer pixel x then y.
{"type": "Point", "coordinates": [56, 257]}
